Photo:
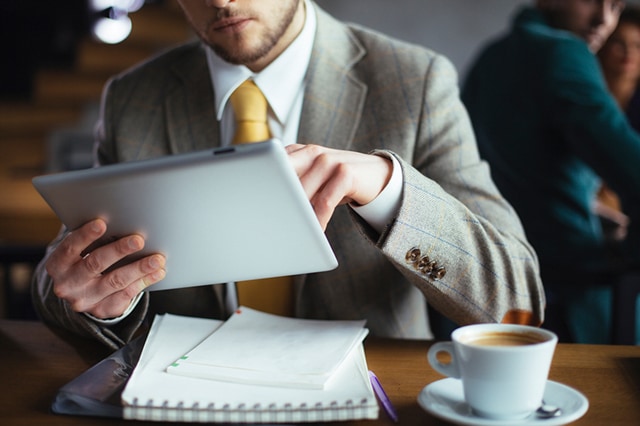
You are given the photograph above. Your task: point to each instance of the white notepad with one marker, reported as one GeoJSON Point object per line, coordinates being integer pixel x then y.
{"type": "Point", "coordinates": [266, 349]}
{"type": "Point", "coordinates": [153, 394]}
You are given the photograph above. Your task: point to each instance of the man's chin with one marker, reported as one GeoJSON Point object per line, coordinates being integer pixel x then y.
{"type": "Point", "coordinates": [239, 54]}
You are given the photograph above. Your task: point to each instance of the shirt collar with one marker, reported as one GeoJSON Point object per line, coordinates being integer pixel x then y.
{"type": "Point", "coordinates": [280, 81]}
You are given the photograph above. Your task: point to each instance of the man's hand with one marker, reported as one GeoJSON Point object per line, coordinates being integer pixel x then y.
{"type": "Point", "coordinates": [80, 280]}
{"type": "Point", "coordinates": [332, 177]}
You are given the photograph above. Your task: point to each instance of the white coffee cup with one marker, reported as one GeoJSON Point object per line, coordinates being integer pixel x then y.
{"type": "Point", "coordinates": [503, 367]}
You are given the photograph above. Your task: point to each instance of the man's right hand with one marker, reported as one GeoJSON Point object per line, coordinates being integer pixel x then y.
{"type": "Point", "coordinates": [78, 278]}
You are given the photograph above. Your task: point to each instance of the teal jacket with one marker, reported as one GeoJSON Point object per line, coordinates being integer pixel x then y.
{"type": "Point", "coordinates": [546, 123]}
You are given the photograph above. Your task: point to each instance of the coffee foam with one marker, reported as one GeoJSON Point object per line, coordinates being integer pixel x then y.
{"type": "Point", "coordinates": [503, 338]}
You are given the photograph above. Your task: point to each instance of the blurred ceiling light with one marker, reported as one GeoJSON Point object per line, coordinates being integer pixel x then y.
{"type": "Point", "coordinates": [112, 24]}
{"type": "Point", "coordinates": [112, 31]}
{"type": "Point", "coordinates": [128, 5]}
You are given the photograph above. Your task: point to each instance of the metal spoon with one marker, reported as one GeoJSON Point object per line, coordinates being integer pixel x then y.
{"type": "Point", "coordinates": [546, 411]}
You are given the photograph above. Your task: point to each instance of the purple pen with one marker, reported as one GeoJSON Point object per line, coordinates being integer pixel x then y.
{"type": "Point", "coordinates": [382, 396]}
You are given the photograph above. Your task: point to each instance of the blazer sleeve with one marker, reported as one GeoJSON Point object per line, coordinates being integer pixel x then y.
{"type": "Point", "coordinates": [57, 312]}
{"type": "Point", "coordinates": [455, 237]}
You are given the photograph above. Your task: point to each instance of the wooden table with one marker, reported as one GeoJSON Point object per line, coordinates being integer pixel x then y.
{"type": "Point", "coordinates": [35, 362]}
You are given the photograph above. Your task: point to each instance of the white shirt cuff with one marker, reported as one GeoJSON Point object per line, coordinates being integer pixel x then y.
{"type": "Point", "coordinates": [111, 321]}
{"type": "Point", "coordinates": [381, 210]}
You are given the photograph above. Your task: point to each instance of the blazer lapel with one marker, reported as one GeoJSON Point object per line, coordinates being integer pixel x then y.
{"type": "Point", "coordinates": [334, 97]}
{"type": "Point", "coordinates": [191, 118]}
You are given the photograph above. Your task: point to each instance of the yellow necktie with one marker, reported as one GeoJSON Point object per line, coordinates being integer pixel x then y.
{"type": "Point", "coordinates": [250, 108]}
{"type": "Point", "coordinates": [274, 295]}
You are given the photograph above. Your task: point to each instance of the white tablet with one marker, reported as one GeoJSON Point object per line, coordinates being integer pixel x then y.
{"type": "Point", "coordinates": [220, 215]}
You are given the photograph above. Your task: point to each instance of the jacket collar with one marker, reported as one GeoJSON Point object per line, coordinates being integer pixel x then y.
{"type": "Point", "coordinates": [190, 109]}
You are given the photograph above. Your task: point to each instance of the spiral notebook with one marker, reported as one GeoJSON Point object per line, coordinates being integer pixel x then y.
{"type": "Point", "coordinates": [153, 394]}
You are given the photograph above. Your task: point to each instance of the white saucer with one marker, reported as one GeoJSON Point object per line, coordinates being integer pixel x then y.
{"type": "Point", "coordinates": [444, 399]}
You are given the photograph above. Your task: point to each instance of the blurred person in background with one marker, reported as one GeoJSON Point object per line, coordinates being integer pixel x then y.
{"type": "Point", "coordinates": [620, 61]}
{"type": "Point", "coordinates": [551, 131]}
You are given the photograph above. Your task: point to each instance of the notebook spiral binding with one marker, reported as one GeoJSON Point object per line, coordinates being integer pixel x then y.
{"type": "Point", "coordinates": [288, 413]}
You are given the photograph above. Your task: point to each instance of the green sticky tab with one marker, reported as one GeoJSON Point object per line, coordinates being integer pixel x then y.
{"type": "Point", "coordinates": [175, 364]}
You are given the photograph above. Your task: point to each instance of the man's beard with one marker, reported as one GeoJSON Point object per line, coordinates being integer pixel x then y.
{"type": "Point", "coordinates": [244, 57]}
{"type": "Point", "coordinates": [269, 39]}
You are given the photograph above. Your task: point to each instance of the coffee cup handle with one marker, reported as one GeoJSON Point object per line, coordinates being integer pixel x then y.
{"type": "Point", "coordinates": [450, 369]}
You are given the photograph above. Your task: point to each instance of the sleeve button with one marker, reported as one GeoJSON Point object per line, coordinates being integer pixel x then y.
{"type": "Point", "coordinates": [438, 273]}
{"type": "Point", "coordinates": [412, 255]}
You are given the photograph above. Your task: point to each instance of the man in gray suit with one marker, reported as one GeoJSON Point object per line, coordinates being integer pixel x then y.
{"type": "Point", "coordinates": [384, 149]}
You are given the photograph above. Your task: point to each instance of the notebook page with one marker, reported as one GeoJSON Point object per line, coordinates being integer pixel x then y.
{"type": "Point", "coordinates": [166, 340]}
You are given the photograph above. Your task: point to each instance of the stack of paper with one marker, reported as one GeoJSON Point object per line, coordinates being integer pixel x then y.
{"type": "Point", "coordinates": [256, 368]}
{"type": "Point", "coordinates": [258, 348]}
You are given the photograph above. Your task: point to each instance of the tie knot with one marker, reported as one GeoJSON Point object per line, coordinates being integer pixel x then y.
{"type": "Point", "coordinates": [250, 108]}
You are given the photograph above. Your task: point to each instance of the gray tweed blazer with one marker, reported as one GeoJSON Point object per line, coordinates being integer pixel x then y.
{"type": "Point", "coordinates": [365, 92]}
